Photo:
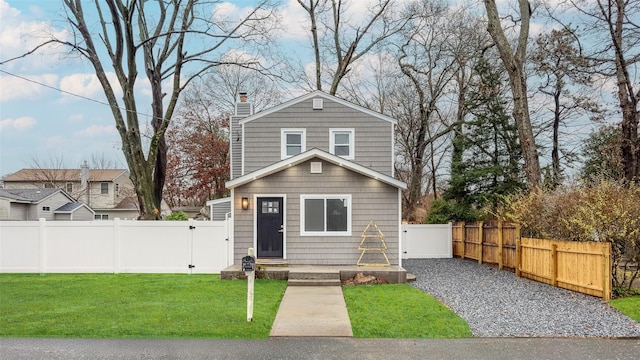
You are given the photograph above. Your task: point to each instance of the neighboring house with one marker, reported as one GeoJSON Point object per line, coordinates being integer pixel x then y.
{"type": "Point", "coordinates": [34, 204]}
{"type": "Point", "coordinates": [307, 177]}
{"type": "Point", "coordinates": [108, 192]}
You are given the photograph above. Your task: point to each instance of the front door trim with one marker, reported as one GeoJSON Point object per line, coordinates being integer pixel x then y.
{"type": "Point", "coordinates": [284, 221]}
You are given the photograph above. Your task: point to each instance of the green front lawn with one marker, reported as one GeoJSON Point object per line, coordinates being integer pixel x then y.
{"type": "Point", "coordinates": [134, 306]}
{"type": "Point", "coordinates": [197, 306]}
{"type": "Point", "coordinates": [629, 306]}
{"type": "Point", "coordinates": [400, 311]}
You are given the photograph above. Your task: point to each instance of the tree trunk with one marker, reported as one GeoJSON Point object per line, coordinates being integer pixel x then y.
{"type": "Point", "coordinates": [514, 64]}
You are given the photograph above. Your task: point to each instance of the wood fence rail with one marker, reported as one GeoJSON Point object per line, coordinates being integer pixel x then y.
{"type": "Point", "coordinates": [579, 266]}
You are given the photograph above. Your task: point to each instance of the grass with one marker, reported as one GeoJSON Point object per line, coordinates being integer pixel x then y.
{"type": "Point", "coordinates": [629, 306]}
{"type": "Point", "coordinates": [134, 306]}
{"type": "Point", "coordinates": [197, 306]}
{"type": "Point", "coordinates": [400, 311]}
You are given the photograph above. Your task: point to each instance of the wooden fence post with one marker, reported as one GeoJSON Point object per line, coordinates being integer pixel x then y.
{"type": "Point", "coordinates": [481, 240]}
{"type": "Point", "coordinates": [518, 251]}
{"type": "Point", "coordinates": [606, 275]}
{"type": "Point", "coordinates": [554, 264]}
{"type": "Point", "coordinates": [464, 239]}
{"type": "Point", "coordinates": [500, 245]}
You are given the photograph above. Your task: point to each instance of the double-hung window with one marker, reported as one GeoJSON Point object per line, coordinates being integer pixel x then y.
{"type": "Point", "coordinates": [325, 215]}
{"type": "Point", "coordinates": [293, 142]}
{"type": "Point", "coordinates": [342, 143]}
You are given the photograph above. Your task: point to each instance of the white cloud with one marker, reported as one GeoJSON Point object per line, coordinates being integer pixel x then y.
{"type": "Point", "coordinates": [76, 118]}
{"type": "Point", "coordinates": [96, 130]}
{"type": "Point", "coordinates": [88, 86]}
{"type": "Point", "coordinates": [14, 88]}
{"type": "Point", "coordinates": [20, 34]}
{"type": "Point", "coordinates": [20, 124]}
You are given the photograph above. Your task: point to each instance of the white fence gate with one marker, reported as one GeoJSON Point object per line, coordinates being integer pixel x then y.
{"type": "Point", "coordinates": [426, 241]}
{"type": "Point", "coordinates": [114, 246]}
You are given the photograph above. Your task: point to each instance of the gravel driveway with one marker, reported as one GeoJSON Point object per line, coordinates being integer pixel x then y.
{"type": "Point", "coordinates": [496, 303]}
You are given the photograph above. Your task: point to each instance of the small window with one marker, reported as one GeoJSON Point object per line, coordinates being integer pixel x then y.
{"type": "Point", "coordinates": [69, 188]}
{"type": "Point", "coordinates": [104, 188]}
{"type": "Point", "coordinates": [101, 217]}
{"type": "Point", "coordinates": [325, 215]}
{"type": "Point", "coordinates": [270, 207]}
{"type": "Point", "coordinates": [46, 208]}
{"type": "Point", "coordinates": [48, 186]}
{"type": "Point", "coordinates": [293, 142]}
{"type": "Point", "coordinates": [342, 143]}
{"type": "Point", "coordinates": [117, 189]}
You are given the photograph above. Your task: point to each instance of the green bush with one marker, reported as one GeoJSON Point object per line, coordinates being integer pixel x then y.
{"type": "Point", "coordinates": [605, 211]}
{"type": "Point", "coordinates": [443, 211]}
{"type": "Point", "coordinates": [177, 216]}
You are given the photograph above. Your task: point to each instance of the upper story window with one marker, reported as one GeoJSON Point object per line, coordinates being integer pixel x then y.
{"type": "Point", "coordinates": [104, 188]}
{"type": "Point", "coordinates": [48, 185]}
{"type": "Point", "coordinates": [293, 141]}
{"type": "Point", "coordinates": [342, 143]}
{"type": "Point", "coordinates": [69, 188]}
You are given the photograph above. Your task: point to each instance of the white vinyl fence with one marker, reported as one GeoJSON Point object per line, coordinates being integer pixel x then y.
{"type": "Point", "coordinates": [114, 246]}
{"type": "Point", "coordinates": [426, 241]}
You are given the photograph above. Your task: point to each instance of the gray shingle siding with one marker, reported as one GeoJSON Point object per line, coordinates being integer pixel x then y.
{"type": "Point", "coordinates": [235, 139]}
{"type": "Point", "coordinates": [373, 137]}
{"type": "Point", "coordinates": [370, 199]}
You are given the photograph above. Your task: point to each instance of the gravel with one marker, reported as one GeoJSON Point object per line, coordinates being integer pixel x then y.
{"type": "Point", "coordinates": [496, 303]}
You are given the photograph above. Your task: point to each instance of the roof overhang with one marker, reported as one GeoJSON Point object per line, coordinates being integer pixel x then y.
{"type": "Point", "coordinates": [315, 94]}
{"type": "Point", "coordinates": [308, 155]}
{"type": "Point", "coordinates": [218, 201]}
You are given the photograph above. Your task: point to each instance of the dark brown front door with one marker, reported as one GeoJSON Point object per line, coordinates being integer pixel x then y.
{"type": "Point", "coordinates": [270, 227]}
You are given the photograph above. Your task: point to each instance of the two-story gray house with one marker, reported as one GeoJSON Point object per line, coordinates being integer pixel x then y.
{"type": "Point", "coordinates": [308, 176]}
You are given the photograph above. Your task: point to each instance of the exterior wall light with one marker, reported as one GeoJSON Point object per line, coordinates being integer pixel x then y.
{"type": "Point", "coordinates": [245, 203]}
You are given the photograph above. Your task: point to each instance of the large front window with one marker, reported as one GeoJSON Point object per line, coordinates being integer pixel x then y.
{"type": "Point", "coordinates": [293, 142]}
{"type": "Point", "coordinates": [325, 214]}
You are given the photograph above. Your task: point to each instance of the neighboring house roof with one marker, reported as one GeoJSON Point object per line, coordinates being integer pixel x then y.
{"type": "Point", "coordinates": [70, 207]}
{"type": "Point", "coordinates": [315, 94]}
{"type": "Point", "coordinates": [62, 175]}
{"type": "Point", "coordinates": [32, 195]}
{"type": "Point", "coordinates": [218, 201]}
{"type": "Point", "coordinates": [310, 154]}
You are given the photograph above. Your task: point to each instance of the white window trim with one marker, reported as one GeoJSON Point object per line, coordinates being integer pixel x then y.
{"type": "Point", "coordinates": [283, 141]}
{"type": "Point", "coordinates": [352, 140]}
{"type": "Point", "coordinates": [304, 197]}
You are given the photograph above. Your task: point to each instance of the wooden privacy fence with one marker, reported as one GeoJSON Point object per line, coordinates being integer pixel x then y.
{"type": "Point", "coordinates": [579, 266]}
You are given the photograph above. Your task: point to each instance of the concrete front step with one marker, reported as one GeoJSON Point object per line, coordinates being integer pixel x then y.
{"type": "Point", "coordinates": [314, 275]}
{"type": "Point", "coordinates": [314, 282]}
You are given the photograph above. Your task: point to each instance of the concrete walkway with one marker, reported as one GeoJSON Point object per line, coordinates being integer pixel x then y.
{"type": "Point", "coordinates": [312, 311]}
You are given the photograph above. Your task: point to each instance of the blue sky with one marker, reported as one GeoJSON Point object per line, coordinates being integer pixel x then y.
{"type": "Point", "coordinates": [43, 124]}
{"type": "Point", "coordinates": [38, 123]}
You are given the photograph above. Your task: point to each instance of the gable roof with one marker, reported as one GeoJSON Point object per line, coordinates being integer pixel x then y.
{"type": "Point", "coordinates": [310, 154]}
{"type": "Point", "coordinates": [71, 207]}
{"type": "Point", "coordinates": [316, 94]}
{"type": "Point", "coordinates": [32, 195]}
{"type": "Point", "coordinates": [63, 175]}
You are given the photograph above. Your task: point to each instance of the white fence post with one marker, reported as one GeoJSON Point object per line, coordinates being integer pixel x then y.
{"type": "Point", "coordinates": [116, 246]}
{"type": "Point", "coordinates": [42, 222]}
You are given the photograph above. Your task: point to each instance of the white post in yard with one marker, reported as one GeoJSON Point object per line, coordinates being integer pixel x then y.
{"type": "Point", "coordinates": [248, 266]}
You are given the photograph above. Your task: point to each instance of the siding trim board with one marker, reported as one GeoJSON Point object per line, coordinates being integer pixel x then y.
{"type": "Point", "coordinates": [314, 153]}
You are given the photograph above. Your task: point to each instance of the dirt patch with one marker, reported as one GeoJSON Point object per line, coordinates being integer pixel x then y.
{"type": "Point", "coordinates": [362, 279]}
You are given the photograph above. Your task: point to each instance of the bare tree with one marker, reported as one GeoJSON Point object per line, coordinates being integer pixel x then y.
{"type": "Point", "coordinates": [343, 43]}
{"type": "Point", "coordinates": [434, 59]}
{"type": "Point", "coordinates": [613, 33]}
{"type": "Point", "coordinates": [159, 37]}
{"type": "Point", "coordinates": [560, 66]}
{"type": "Point", "coordinates": [514, 62]}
